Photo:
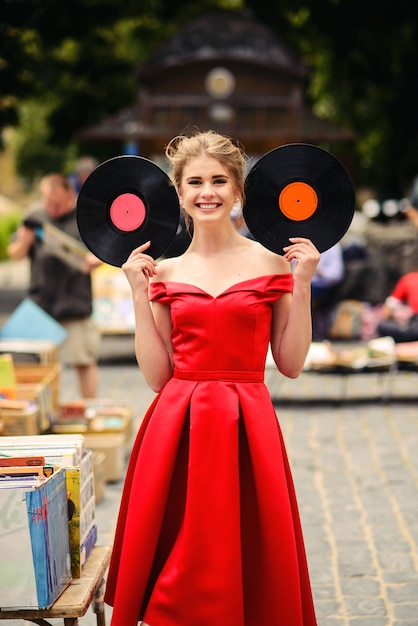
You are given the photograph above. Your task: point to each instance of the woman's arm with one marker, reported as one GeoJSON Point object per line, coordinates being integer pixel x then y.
{"type": "Point", "coordinates": [152, 325]}
{"type": "Point", "coordinates": [153, 352]}
{"type": "Point", "coordinates": [291, 333]}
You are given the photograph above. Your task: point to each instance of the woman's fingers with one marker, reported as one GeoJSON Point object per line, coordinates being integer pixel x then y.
{"type": "Point", "coordinates": [300, 245]}
{"type": "Point", "coordinates": [305, 253]}
{"type": "Point", "coordinates": [138, 262]}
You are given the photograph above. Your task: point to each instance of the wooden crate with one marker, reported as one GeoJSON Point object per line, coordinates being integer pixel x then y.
{"type": "Point", "coordinates": [31, 350]}
{"type": "Point", "coordinates": [40, 383]}
{"type": "Point", "coordinates": [20, 421]}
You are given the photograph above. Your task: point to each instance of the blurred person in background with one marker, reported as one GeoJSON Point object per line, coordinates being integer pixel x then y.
{"type": "Point", "coordinates": [83, 168]}
{"type": "Point", "coordinates": [328, 275]}
{"type": "Point", "coordinates": [399, 314]}
{"type": "Point", "coordinates": [60, 289]}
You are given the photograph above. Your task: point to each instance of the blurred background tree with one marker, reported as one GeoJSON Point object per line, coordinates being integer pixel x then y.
{"type": "Point", "coordinates": [363, 57]}
{"type": "Point", "coordinates": [66, 65]}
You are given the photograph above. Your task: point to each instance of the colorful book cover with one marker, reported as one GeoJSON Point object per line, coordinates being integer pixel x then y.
{"type": "Point", "coordinates": [15, 461]}
{"type": "Point", "coordinates": [81, 511]}
{"type": "Point", "coordinates": [42, 471]}
{"type": "Point", "coordinates": [34, 544]}
{"type": "Point", "coordinates": [46, 510]}
{"type": "Point", "coordinates": [8, 383]}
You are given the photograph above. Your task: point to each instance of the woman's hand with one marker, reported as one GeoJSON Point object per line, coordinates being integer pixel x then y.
{"type": "Point", "coordinates": [140, 267]}
{"type": "Point", "coordinates": [306, 256]}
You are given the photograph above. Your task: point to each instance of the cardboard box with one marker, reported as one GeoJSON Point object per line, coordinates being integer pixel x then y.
{"type": "Point", "coordinates": [113, 446]}
{"type": "Point", "coordinates": [34, 543]}
{"type": "Point", "coordinates": [99, 471]}
{"type": "Point", "coordinates": [81, 511]}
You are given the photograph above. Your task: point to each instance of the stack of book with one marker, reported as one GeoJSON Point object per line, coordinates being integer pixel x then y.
{"type": "Point", "coordinates": [30, 460]}
{"type": "Point", "coordinates": [29, 396]}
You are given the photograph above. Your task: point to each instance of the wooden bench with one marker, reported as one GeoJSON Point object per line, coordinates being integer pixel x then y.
{"type": "Point", "coordinates": [76, 598]}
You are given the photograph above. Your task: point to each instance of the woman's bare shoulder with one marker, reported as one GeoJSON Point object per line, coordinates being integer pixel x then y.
{"type": "Point", "coordinates": [165, 269]}
{"type": "Point", "coordinates": [270, 262]}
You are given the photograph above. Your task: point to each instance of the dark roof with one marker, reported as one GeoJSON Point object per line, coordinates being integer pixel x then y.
{"type": "Point", "coordinates": [216, 39]}
{"type": "Point", "coordinates": [224, 35]}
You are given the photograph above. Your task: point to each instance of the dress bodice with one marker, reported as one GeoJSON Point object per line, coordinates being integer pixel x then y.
{"type": "Point", "coordinates": [226, 333]}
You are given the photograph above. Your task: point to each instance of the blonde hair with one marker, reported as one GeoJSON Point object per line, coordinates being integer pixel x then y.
{"type": "Point", "coordinates": [229, 152]}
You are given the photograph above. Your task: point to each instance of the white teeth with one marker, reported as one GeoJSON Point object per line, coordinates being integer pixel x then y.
{"type": "Point", "coordinates": [208, 206]}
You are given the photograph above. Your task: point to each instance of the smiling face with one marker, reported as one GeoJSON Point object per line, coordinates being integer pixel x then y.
{"type": "Point", "coordinates": [207, 189]}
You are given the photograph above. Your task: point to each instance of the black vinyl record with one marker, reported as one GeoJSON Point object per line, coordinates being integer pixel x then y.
{"type": "Point", "coordinates": [125, 202]}
{"type": "Point", "coordinates": [298, 190]}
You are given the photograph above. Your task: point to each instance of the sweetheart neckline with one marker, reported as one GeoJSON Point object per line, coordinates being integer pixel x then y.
{"type": "Point", "coordinates": [237, 284]}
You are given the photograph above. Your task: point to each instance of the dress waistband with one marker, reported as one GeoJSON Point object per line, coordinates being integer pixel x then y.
{"type": "Point", "coordinates": [241, 376]}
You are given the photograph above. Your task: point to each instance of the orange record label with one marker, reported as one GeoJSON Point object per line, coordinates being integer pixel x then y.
{"type": "Point", "coordinates": [298, 201]}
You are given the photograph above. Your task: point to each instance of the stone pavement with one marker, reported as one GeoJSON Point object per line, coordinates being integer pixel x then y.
{"type": "Point", "coordinates": [356, 473]}
{"type": "Point", "coordinates": [355, 467]}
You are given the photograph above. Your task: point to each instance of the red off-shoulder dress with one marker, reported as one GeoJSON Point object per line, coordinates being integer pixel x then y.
{"type": "Point", "coordinates": [208, 532]}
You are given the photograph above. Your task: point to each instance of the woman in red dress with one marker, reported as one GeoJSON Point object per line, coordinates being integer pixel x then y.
{"type": "Point", "coordinates": [208, 531]}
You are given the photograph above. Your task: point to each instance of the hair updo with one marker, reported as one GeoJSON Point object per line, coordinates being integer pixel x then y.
{"type": "Point", "coordinates": [227, 151]}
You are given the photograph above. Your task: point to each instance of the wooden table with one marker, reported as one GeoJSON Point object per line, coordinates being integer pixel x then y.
{"type": "Point", "coordinates": [76, 598]}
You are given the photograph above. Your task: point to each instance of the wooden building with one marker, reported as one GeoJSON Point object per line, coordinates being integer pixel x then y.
{"type": "Point", "coordinates": [222, 71]}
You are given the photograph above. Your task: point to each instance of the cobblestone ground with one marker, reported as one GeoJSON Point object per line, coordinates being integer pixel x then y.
{"type": "Point", "coordinates": [355, 467]}
{"type": "Point", "coordinates": [356, 475]}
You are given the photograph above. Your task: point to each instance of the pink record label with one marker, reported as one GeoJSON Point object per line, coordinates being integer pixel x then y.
{"type": "Point", "coordinates": [127, 212]}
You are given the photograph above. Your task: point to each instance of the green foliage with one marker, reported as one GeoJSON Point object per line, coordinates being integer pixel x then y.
{"type": "Point", "coordinates": [8, 224]}
{"type": "Point", "coordinates": [363, 58]}
{"type": "Point", "coordinates": [78, 60]}
{"type": "Point", "coordinates": [80, 56]}
{"type": "Point", "coordinates": [36, 154]}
